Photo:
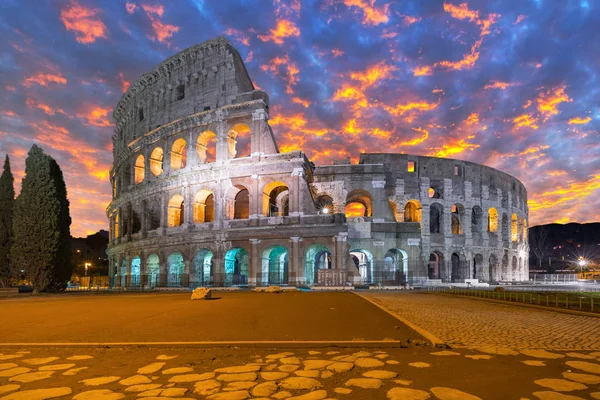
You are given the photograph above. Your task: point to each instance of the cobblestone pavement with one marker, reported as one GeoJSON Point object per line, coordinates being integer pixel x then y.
{"type": "Point", "coordinates": [466, 322]}
{"type": "Point", "coordinates": [415, 372]}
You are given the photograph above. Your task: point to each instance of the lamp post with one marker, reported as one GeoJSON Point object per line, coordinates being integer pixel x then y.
{"type": "Point", "coordinates": [87, 265]}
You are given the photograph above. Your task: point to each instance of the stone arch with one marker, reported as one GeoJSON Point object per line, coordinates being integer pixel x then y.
{"type": "Point", "coordinates": [435, 266]}
{"type": "Point", "coordinates": [136, 264]}
{"type": "Point", "coordinates": [152, 215]}
{"type": "Point", "coordinates": [236, 267]}
{"type": "Point", "coordinates": [505, 228]}
{"type": "Point", "coordinates": [139, 169]}
{"type": "Point", "coordinates": [493, 267]}
{"type": "Point", "coordinates": [239, 143]}
{"type": "Point", "coordinates": [275, 199]}
{"type": "Point", "coordinates": [514, 228]}
{"type": "Point", "coordinates": [457, 265]}
{"type": "Point", "coordinates": [275, 265]}
{"type": "Point", "coordinates": [457, 214]}
{"type": "Point", "coordinates": [476, 218]}
{"type": "Point", "coordinates": [178, 154]}
{"type": "Point", "coordinates": [206, 147]}
{"type": "Point", "coordinates": [514, 271]}
{"type": "Point", "coordinates": [520, 271]}
{"type": "Point", "coordinates": [358, 204]}
{"type": "Point", "coordinates": [203, 268]}
{"type": "Point", "coordinates": [435, 192]}
{"type": "Point", "coordinates": [153, 269]}
{"type": "Point", "coordinates": [317, 256]}
{"type": "Point", "coordinates": [396, 264]}
{"type": "Point", "coordinates": [175, 211]}
{"type": "Point", "coordinates": [238, 202]}
{"type": "Point", "coordinates": [156, 161]}
{"type": "Point", "coordinates": [324, 204]}
{"type": "Point", "coordinates": [175, 269]}
{"type": "Point", "coordinates": [363, 260]}
{"type": "Point", "coordinates": [504, 273]}
{"type": "Point", "coordinates": [204, 206]}
{"type": "Point", "coordinates": [413, 211]}
{"type": "Point", "coordinates": [477, 266]}
{"type": "Point", "coordinates": [436, 218]}
{"type": "Point", "coordinates": [123, 272]}
{"type": "Point", "coordinates": [492, 220]}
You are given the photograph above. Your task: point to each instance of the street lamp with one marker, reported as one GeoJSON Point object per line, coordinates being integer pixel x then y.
{"type": "Point", "coordinates": [86, 267]}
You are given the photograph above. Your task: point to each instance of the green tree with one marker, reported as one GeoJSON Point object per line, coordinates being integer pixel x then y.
{"type": "Point", "coordinates": [41, 248]}
{"type": "Point", "coordinates": [7, 201]}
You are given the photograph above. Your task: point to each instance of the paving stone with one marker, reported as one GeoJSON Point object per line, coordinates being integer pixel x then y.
{"type": "Point", "coordinates": [308, 374]}
{"type": "Point", "coordinates": [330, 353]}
{"type": "Point", "coordinates": [326, 374]}
{"type": "Point", "coordinates": [100, 394]}
{"type": "Point", "coordinates": [284, 394]}
{"type": "Point", "coordinates": [7, 366]}
{"type": "Point", "coordinates": [582, 378]}
{"type": "Point", "coordinates": [39, 394]}
{"type": "Point", "coordinates": [445, 353]}
{"type": "Point", "coordinates": [315, 395]}
{"type": "Point", "coordinates": [542, 354]}
{"type": "Point", "coordinates": [400, 393]}
{"type": "Point", "coordinates": [237, 395]}
{"type": "Point", "coordinates": [56, 367]}
{"type": "Point", "coordinates": [79, 358]}
{"type": "Point", "coordinates": [165, 357]}
{"type": "Point", "coordinates": [39, 361]}
{"type": "Point", "coordinates": [273, 376]}
{"type": "Point", "coordinates": [403, 382]}
{"type": "Point", "coordinates": [595, 395]}
{"type": "Point", "coordinates": [239, 385]}
{"type": "Point", "coordinates": [365, 383]}
{"type": "Point", "coordinates": [288, 368]}
{"type": "Point", "coordinates": [178, 370]}
{"type": "Point", "coordinates": [14, 371]}
{"type": "Point", "coordinates": [297, 383]}
{"type": "Point", "coordinates": [445, 393]}
{"type": "Point", "coordinates": [316, 364]}
{"type": "Point", "coordinates": [392, 362]}
{"type": "Point", "coordinates": [560, 385]}
{"type": "Point", "coordinates": [264, 389]}
{"type": "Point", "coordinates": [142, 388]}
{"type": "Point", "coordinates": [479, 356]}
{"type": "Point", "coordinates": [420, 364]}
{"type": "Point", "coordinates": [103, 380]}
{"type": "Point", "coordinates": [150, 393]}
{"type": "Point", "coordinates": [74, 371]}
{"type": "Point", "coordinates": [32, 376]}
{"type": "Point", "coordinates": [9, 388]}
{"type": "Point", "coordinates": [365, 362]}
{"type": "Point", "coordinates": [192, 377]}
{"type": "Point", "coordinates": [585, 366]}
{"type": "Point", "coordinates": [382, 356]}
{"type": "Point", "coordinates": [380, 374]}
{"type": "Point", "coordinates": [313, 352]}
{"type": "Point", "coordinates": [207, 387]}
{"type": "Point", "coordinates": [238, 369]}
{"type": "Point", "coordinates": [340, 366]}
{"type": "Point", "coordinates": [279, 355]}
{"type": "Point", "coordinates": [174, 392]}
{"type": "Point", "coordinates": [341, 390]}
{"type": "Point", "coordinates": [580, 355]}
{"type": "Point", "coordinates": [10, 356]}
{"type": "Point", "coordinates": [534, 363]}
{"type": "Point", "coordinates": [151, 368]}
{"type": "Point", "coordinates": [246, 376]}
{"type": "Point", "coordinates": [135, 380]}
{"type": "Point", "coordinates": [555, 396]}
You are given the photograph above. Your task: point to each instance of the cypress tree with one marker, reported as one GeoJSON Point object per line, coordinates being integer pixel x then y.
{"type": "Point", "coordinates": [7, 200]}
{"type": "Point", "coordinates": [41, 224]}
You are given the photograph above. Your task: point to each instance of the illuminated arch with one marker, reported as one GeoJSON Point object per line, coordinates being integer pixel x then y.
{"type": "Point", "coordinates": [153, 269]}
{"type": "Point", "coordinates": [203, 268]}
{"type": "Point", "coordinates": [275, 199]}
{"type": "Point", "coordinates": [179, 154]}
{"type": "Point", "coordinates": [514, 228]}
{"type": "Point", "coordinates": [363, 260]}
{"type": "Point", "coordinates": [236, 267]}
{"type": "Point", "coordinates": [395, 266]}
{"type": "Point", "coordinates": [238, 202]}
{"type": "Point", "coordinates": [358, 204]}
{"type": "Point", "coordinates": [317, 257]}
{"type": "Point", "coordinates": [206, 147]}
{"type": "Point", "coordinates": [176, 269]}
{"type": "Point", "coordinates": [204, 206]}
{"type": "Point", "coordinates": [140, 169]}
{"type": "Point", "coordinates": [413, 211]}
{"type": "Point", "coordinates": [275, 266]}
{"type": "Point", "coordinates": [435, 266]}
{"type": "Point", "coordinates": [492, 220]}
{"type": "Point", "coordinates": [156, 161]}
{"type": "Point", "coordinates": [457, 213]}
{"type": "Point", "coordinates": [324, 204]}
{"type": "Point", "coordinates": [175, 211]}
{"type": "Point", "coordinates": [239, 141]}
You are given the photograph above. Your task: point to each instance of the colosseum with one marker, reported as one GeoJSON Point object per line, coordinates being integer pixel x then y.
{"type": "Point", "coordinates": [203, 197]}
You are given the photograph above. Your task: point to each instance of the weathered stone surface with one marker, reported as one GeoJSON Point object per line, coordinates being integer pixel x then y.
{"type": "Point", "coordinates": [239, 385]}
{"type": "Point", "coordinates": [178, 370]}
{"type": "Point", "coordinates": [534, 363]}
{"type": "Point", "coordinates": [173, 392]}
{"type": "Point", "coordinates": [237, 395]}
{"type": "Point", "coordinates": [288, 368]}
{"type": "Point", "coordinates": [445, 353]}
{"type": "Point", "coordinates": [246, 376]}
{"type": "Point", "coordinates": [582, 378]}
{"type": "Point", "coordinates": [39, 361]}
{"type": "Point", "coordinates": [392, 362]}
{"type": "Point", "coordinates": [365, 362]}
{"type": "Point", "coordinates": [289, 360]}
{"type": "Point", "coordinates": [74, 371]}
{"type": "Point", "coordinates": [560, 385]}
{"type": "Point", "coordinates": [39, 394]}
{"type": "Point", "coordinates": [340, 366]}
{"type": "Point", "coordinates": [103, 380]}
{"type": "Point", "coordinates": [315, 395]}
{"type": "Point", "coordinates": [326, 374]}
{"type": "Point", "coordinates": [296, 383]}
{"type": "Point", "coordinates": [7, 366]}
{"type": "Point", "coordinates": [239, 369]}
{"type": "Point", "coordinates": [308, 374]}
{"type": "Point", "coordinates": [555, 396]}
{"type": "Point", "coordinates": [135, 380]}
{"type": "Point", "coordinates": [264, 389]}
{"type": "Point", "coordinates": [142, 388]}
{"type": "Point", "coordinates": [165, 357]}
{"type": "Point", "coordinates": [341, 390]}
{"type": "Point", "coordinates": [479, 357]}
{"type": "Point", "coordinates": [273, 376]}
{"type": "Point", "coordinates": [400, 393]}
{"type": "Point", "coordinates": [380, 374]}
{"type": "Point", "coordinates": [207, 387]}
{"type": "Point", "coordinates": [32, 376]}
{"type": "Point", "coordinates": [419, 364]}
{"type": "Point", "coordinates": [9, 388]}
{"type": "Point", "coordinates": [446, 393]}
{"type": "Point", "coordinates": [192, 377]}
{"type": "Point", "coordinates": [201, 294]}
{"type": "Point", "coordinates": [151, 368]}
{"type": "Point", "coordinates": [365, 383]}
{"type": "Point", "coordinates": [99, 394]}
{"type": "Point", "coordinates": [585, 366]}
{"type": "Point", "coordinates": [316, 364]}
{"type": "Point", "coordinates": [79, 358]}
{"type": "Point", "coordinates": [542, 354]}
{"type": "Point", "coordinates": [14, 371]}
{"type": "Point", "coordinates": [284, 394]}
{"type": "Point", "coordinates": [56, 367]}
{"type": "Point", "coordinates": [269, 289]}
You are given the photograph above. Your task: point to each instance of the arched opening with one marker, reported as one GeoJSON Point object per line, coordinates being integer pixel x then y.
{"type": "Point", "coordinates": [396, 265]}
{"type": "Point", "coordinates": [493, 267]}
{"type": "Point", "coordinates": [239, 141]}
{"type": "Point", "coordinates": [136, 264]}
{"type": "Point", "coordinates": [153, 269]}
{"type": "Point", "coordinates": [458, 212]}
{"type": "Point", "coordinates": [435, 265]}
{"type": "Point", "coordinates": [204, 206]}
{"type": "Point", "coordinates": [275, 200]}
{"type": "Point", "coordinates": [241, 203]}
{"type": "Point", "coordinates": [203, 268]}
{"type": "Point", "coordinates": [123, 273]}
{"type": "Point", "coordinates": [436, 218]}
{"type": "Point", "coordinates": [520, 270]}
{"type": "Point", "coordinates": [153, 215]}
{"type": "Point", "coordinates": [514, 268]}
{"type": "Point", "coordinates": [478, 266]}
{"type": "Point", "coordinates": [175, 212]}
{"type": "Point", "coordinates": [156, 161]}
{"type": "Point", "coordinates": [324, 204]}
{"type": "Point", "coordinates": [275, 266]}
{"type": "Point", "coordinates": [116, 230]}
{"type": "Point", "coordinates": [363, 260]}
{"type": "Point", "coordinates": [136, 222]}
{"type": "Point", "coordinates": [317, 257]}
{"type": "Point", "coordinates": [504, 273]}
{"type": "Point", "coordinates": [206, 147]}
{"type": "Point", "coordinates": [434, 193]}
{"type": "Point", "coordinates": [514, 228]}
{"type": "Point", "coordinates": [236, 267]}
{"type": "Point", "coordinates": [358, 204]}
{"type": "Point", "coordinates": [176, 268]}
{"type": "Point", "coordinates": [492, 220]}
{"type": "Point", "coordinates": [179, 154]}
{"type": "Point", "coordinates": [457, 266]}
{"type": "Point", "coordinates": [476, 216]}
{"type": "Point", "coordinates": [140, 169]}
{"type": "Point", "coordinates": [505, 228]}
{"type": "Point", "coordinates": [412, 211]}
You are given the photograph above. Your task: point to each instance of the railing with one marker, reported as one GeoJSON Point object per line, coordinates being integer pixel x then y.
{"type": "Point", "coordinates": [581, 301]}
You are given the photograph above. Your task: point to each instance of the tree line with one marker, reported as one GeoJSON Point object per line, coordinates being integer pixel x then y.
{"type": "Point", "coordinates": [35, 244]}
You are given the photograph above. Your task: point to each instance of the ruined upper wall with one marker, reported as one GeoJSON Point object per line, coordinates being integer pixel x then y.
{"type": "Point", "coordinates": [203, 77]}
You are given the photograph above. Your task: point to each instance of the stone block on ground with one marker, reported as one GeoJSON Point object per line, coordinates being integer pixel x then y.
{"type": "Point", "coordinates": [201, 294]}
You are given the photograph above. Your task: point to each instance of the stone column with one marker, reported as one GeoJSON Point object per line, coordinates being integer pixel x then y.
{"type": "Point", "coordinates": [255, 268]}
{"type": "Point", "coordinates": [467, 226]}
{"type": "Point", "coordinates": [192, 159]}
{"type": "Point", "coordinates": [295, 208]}
{"type": "Point", "coordinates": [164, 213]}
{"type": "Point", "coordinates": [294, 269]}
{"type": "Point", "coordinates": [258, 127]}
{"type": "Point", "coordinates": [255, 200]}
{"type": "Point", "coordinates": [223, 140]}
{"type": "Point", "coordinates": [144, 218]}
{"type": "Point", "coordinates": [381, 210]}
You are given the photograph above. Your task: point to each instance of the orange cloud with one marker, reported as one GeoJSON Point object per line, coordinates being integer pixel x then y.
{"type": "Point", "coordinates": [533, 150]}
{"type": "Point", "coordinates": [527, 104]}
{"type": "Point", "coordinates": [499, 85]}
{"type": "Point", "coordinates": [124, 83]}
{"type": "Point", "coordinates": [239, 36]}
{"type": "Point", "coordinates": [162, 31]}
{"type": "Point", "coordinates": [525, 120]}
{"type": "Point", "coordinates": [96, 116]}
{"type": "Point", "coordinates": [302, 102]}
{"type": "Point", "coordinates": [473, 118]}
{"type": "Point", "coordinates": [456, 146]}
{"type": "Point", "coordinates": [401, 109]}
{"type": "Point", "coordinates": [520, 18]}
{"type": "Point", "coordinates": [422, 71]}
{"type": "Point", "coordinates": [297, 123]}
{"type": "Point", "coordinates": [579, 121]}
{"type": "Point", "coordinates": [372, 15]}
{"type": "Point", "coordinates": [84, 22]}
{"type": "Point", "coordinates": [337, 52]}
{"type": "Point", "coordinates": [373, 74]}
{"type": "Point", "coordinates": [292, 71]}
{"type": "Point", "coordinates": [44, 79]}
{"type": "Point", "coordinates": [130, 7]}
{"type": "Point", "coordinates": [573, 193]}
{"type": "Point", "coordinates": [549, 101]}
{"type": "Point", "coordinates": [283, 29]}
{"type": "Point", "coordinates": [413, 142]}
{"type": "Point", "coordinates": [44, 107]}
{"type": "Point", "coordinates": [408, 20]}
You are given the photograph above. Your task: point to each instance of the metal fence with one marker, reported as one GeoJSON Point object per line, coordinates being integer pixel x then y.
{"type": "Point", "coordinates": [553, 278]}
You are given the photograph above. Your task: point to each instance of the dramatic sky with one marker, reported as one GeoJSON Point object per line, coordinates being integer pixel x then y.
{"type": "Point", "coordinates": [512, 84]}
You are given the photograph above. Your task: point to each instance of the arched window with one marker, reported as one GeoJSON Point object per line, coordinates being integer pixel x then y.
{"type": "Point", "coordinates": [175, 214]}
{"type": "Point", "coordinates": [458, 212]}
{"type": "Point", "coordinates": [153, 269]}
{"type": "Point", "coordinates": [275, 199]}
{"type": "Point", "coordinates": [203, 268]}
{"type": "Point", "coordinates": [116, 231]}
{"type": "Point", "coordinates": [153, 215]}
{"type": "Point", "coordinates": [236, 267]}
{"type": "Point", "coordinates": [140, 169]}
{"type": "Point", "coordinates": [204, 206]}
{"type": "Point", "coordinates": [206, 147]}
{"type": "Point", "coordinates": [412, 211]}
{"type": "Point", "coordinates": [358, 204]}
{"type": "Point", "coordinates": [156, 161]}
{"type": "Point", "coordinates": [514, 228]}
{"type": "Point", "coordinates": [242, 204]}
{"type": "Point", "coordinates": [176, 269]}
{"type": "Point", "coordinates": [363, 260]}
{"type": "Point", "coordinates": [239, 141]}
{"type": "Point", "coordinates": [436, 218]}
{"type": "Point", "coordinates": [179, 154]}
{"type": "Point", "coordinates": [324, 204]}
{"type": "Point", "coordinates": [435, 266]}
{"type": "Point", "coordinates": [317, 257]}
{"type": "Point", "coordinates": [505, 228]}
{"type": "Point", "coordinates": [395, 267]}
{"type": "Point", "coordinates": [476, 215]}
{"type": "Point", "coordinates": [492, 220]}
{"type": "Point", "coordinates": [275, 265]}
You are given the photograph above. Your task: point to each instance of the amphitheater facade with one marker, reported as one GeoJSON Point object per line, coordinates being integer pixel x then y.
{"type": "Point", "coordinates": [202, 196]}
